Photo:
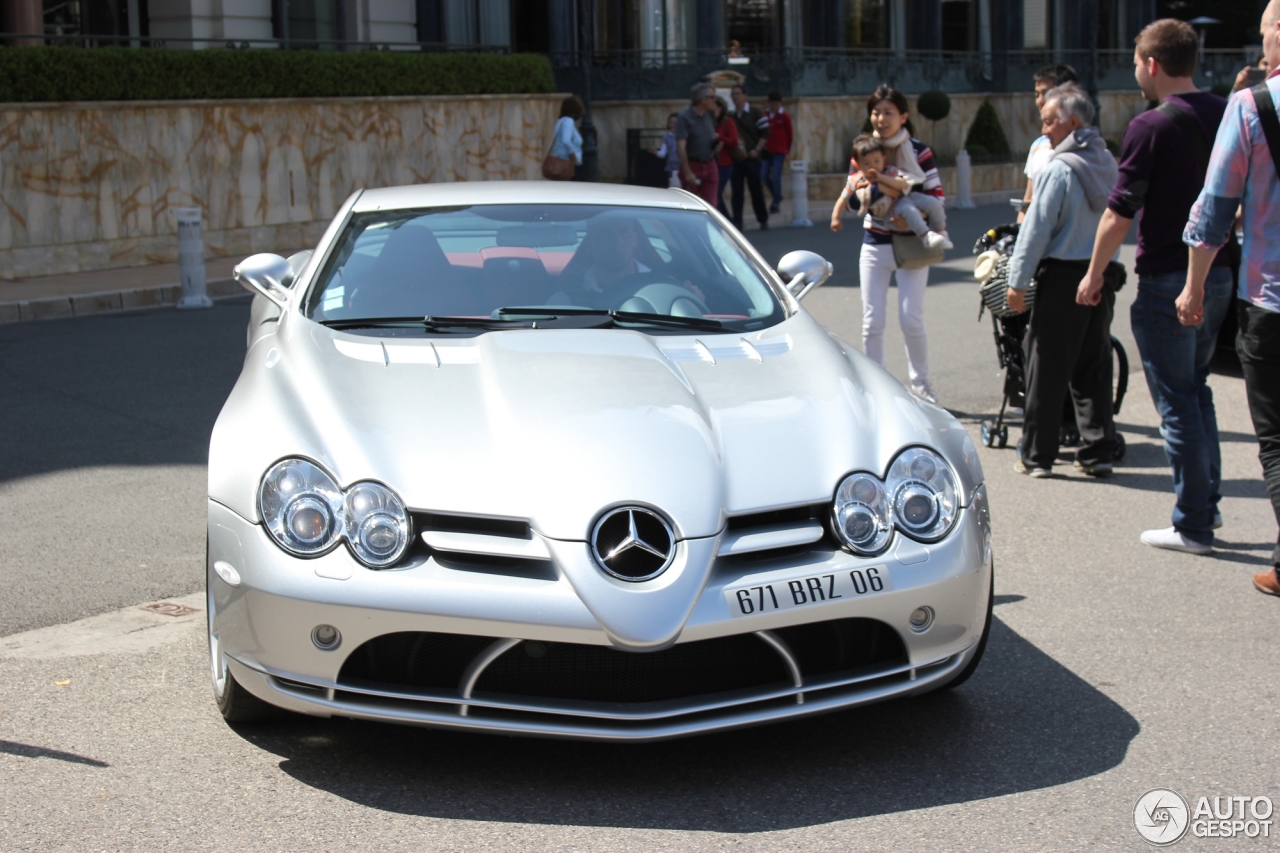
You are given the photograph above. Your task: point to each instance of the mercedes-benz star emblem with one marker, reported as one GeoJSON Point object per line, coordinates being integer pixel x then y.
{"type": "Point", "coordinates": [633, 543]}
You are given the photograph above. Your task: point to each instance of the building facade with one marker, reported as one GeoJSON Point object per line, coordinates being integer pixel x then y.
{"type": "Point", "coordinates": [564, 26]}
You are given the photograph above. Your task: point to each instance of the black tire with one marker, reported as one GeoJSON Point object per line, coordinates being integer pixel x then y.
{"type": "Point", "coordinates": [1002, 436]}
{"type": "Point", "coordinates": [1121, 376]}
{"type": "Point", "coordinates": [972, 666]}
{"type": "Point", "coordinates": [236, 704]}
{"type": "Point", "coordinates": [1120, 449]}
{"type": "Point", "coordinates": [988, 435]}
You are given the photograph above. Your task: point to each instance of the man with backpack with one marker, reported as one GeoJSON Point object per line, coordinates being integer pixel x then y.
{"type": "Point", "coordinates": [1162, 168]}
{"type": "Point", "coordinates": [1242, 174]}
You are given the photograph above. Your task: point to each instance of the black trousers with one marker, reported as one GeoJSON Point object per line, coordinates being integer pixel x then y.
{"type": "Point", "coordinates": [1258, 345]}
{"type": "Point", "coordinates": [1068, 348]}
{"type": "Point", "coordinates": [748, 170]}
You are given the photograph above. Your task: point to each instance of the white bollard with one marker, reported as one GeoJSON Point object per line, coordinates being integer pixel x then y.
{"type": "Point", "coordinates": [800, 194]}
{"type": "Point", "coordinates": [964, 180]}
{"type": "Point", "coordinates": [191, 259]}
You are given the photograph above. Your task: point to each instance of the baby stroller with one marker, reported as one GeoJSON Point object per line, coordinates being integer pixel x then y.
{"type": "Point", "coordinates": [994, 250]}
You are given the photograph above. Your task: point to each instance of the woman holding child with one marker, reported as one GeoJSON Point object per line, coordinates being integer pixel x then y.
{"type": "Point", "coordinates": [894, 181]}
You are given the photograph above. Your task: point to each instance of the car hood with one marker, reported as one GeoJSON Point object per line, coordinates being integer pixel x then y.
{"type": "Point", "coordinates": [555, 426]}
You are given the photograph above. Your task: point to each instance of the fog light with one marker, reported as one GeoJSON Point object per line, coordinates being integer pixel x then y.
{"type": "Point", "coordinates": [326, 637]}
{"type": "Point", "coordinates": [921, 618]}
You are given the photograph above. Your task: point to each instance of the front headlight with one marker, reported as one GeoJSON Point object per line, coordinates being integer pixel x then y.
{"type": "Point", "coordinates": [377, 525]}
{"type": "Point", "coordinates": [301, 506]}
{"type": "Point", "coordinates": [307, 514]}
{"type": "Point", "coordinates": [861, 514]}
{"type": "Point", "coordinates": [923, 494]}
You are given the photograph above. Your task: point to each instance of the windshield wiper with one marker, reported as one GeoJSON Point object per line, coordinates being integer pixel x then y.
{"type": "Point", "coordinates": [429, 323]}
{"type": "Point", "coordinates": [675, 321]}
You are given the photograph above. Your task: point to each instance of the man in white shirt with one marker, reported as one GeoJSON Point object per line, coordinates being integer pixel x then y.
{"type": "Point", "coordinates": [1049, 77]}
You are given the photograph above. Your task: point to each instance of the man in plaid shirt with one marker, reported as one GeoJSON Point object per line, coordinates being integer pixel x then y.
{"type": "Point", "coordinates": [1243, 174]}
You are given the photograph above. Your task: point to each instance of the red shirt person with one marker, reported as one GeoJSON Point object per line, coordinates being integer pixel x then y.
{"type": "Point", "coordinates": [781, 137]}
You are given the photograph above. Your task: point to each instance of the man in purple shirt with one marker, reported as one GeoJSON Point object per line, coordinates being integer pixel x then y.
{"type": "Point", "coordinates": [1162, 168]}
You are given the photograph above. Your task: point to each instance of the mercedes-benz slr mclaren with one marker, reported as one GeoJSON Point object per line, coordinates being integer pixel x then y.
{"type": "Point", "coordinates": [572, 460]}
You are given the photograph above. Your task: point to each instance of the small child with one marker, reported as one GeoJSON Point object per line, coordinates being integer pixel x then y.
{"type": "Point", "coordinates": [924, 213]}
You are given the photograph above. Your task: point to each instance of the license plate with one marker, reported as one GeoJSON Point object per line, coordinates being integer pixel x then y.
{"type": "Point", "coordinates": [813, 589]}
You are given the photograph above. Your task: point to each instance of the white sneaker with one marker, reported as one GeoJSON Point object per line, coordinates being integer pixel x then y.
{"type": "Point", "coordinates": [934, 240]}
{"type": "Point", "coordinates": [1170, 538]}
{"type": "Point", "coordinates": [924, 392]}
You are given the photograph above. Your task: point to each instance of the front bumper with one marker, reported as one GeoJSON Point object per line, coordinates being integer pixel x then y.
{"type": "Point", "coordinates": [264, 626]}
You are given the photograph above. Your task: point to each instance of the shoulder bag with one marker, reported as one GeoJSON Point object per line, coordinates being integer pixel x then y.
{"type": "Point", "coordinates": [910, 252]}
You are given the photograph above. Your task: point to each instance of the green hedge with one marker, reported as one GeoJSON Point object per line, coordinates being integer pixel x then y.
{"type": "Point", "coordinates": [153, 74]}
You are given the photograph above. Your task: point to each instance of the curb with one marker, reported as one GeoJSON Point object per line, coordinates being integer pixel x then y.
{"type": "Point", "coordinates": [104, 302]}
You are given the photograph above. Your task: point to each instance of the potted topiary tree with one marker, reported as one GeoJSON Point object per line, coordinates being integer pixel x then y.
{"type": "Point", "coordinates": [986, 140]}
{"type": "Point", "coordinates": [934, 105]}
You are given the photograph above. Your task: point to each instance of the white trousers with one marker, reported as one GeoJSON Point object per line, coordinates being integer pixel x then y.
{"type": "Point", "coordinates": [876, 265]}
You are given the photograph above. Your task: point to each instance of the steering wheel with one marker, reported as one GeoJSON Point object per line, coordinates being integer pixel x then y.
{"type": "Point", "coordinates": [657, 293]}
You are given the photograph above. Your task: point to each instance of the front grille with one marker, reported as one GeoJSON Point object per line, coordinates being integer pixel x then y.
{"type": "Point", "coordinates": [603, 674]}
{"type": "Point", "coordinates": [413, 659]}
{"type": "Point", "coordinates": [407, 661]}
{"type": "Point", "coordinates": [794, 515]}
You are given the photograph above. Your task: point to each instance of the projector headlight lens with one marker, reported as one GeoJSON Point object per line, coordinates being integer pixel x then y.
{"type": "Point", "coordinates": [301, 507]}
{"type": "Point", "coordinates": [923, 494]}
{"type": "Point", "coordinates": [861, 514]}
{"type": "Point", "coordinates": [377, 526]}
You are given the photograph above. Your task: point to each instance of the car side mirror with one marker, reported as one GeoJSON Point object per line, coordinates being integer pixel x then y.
{"type": "Point", "coordinates": [266, 274]}
{"type": "Point", "coordinates": [803, 271]}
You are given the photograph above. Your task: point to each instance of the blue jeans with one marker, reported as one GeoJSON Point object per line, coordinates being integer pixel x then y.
{"type": "Point", "coordinates": [1175, 359]}
{"type": "Point", "coordinates": [773, 176]}
{"type": "Point", "coordinates": [726, 173]}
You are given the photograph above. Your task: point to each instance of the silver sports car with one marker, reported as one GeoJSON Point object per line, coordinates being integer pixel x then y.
{"type": "Point", "coordinates": [571, 460]}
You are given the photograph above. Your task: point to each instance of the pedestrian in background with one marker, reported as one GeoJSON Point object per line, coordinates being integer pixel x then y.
{"type": "Point", "coordinates": [1068, 344]}
{"type": "Point", "coordinates": [753, 130]}
{"type": "Point", "coordinates": [781, 135]}
{"type": "Point", "coordinates": [1162, 168]}
{"type": "Point", "coordinates": [668, 152]}
{"type": "Point", "coordinates": [1242, 173]}
{"type": "Point", "coordinates": [564, 160]}
{"type": "Point", "coordinates": [730, 150]}
{"type": "Point", "coordinates": [696, 142]}
{"type": "Point", "coordinates": [1049, 77]}
{"type": "Point", "coordinates": [891, 122]}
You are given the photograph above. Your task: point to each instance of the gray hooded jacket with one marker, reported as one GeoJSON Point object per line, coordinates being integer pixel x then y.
{"type": "Point", "coordinates": [1067, 201]}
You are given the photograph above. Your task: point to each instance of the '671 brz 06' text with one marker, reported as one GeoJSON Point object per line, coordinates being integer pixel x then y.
{"type": "Point", "coordinates": [571, 460]}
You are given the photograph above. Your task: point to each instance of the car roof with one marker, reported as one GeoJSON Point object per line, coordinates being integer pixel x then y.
{"type": "Point", "coordinates": [522, 192]}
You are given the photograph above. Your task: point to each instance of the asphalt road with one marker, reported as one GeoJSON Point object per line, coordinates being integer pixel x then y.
{"type": "Point", "coordinates": [1112, 669]}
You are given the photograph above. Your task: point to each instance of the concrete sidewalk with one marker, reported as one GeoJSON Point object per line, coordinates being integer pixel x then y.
{"type": "Point", "coordinates": [99, 291]}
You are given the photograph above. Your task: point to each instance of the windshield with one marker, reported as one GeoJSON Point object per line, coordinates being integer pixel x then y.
{"type": "Point", "coordinates": [473, 262]}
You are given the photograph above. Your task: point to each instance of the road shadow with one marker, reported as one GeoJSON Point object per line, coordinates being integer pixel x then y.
{"type": "Point", "coordinates": [1023, 722]}
{"type": "Point", "coordinates": [131, 388]}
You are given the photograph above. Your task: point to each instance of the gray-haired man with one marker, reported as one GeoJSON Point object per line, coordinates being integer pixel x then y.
{"type": "Point", "coordinates": [1068, 344]}
{"type": "Point", "coordinates": [696, 143]}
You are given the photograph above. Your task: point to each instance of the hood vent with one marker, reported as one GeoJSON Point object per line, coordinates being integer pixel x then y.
{"type": "Point", "coordinates": [717, 350]}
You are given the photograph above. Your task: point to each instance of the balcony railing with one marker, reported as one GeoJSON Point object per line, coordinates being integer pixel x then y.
{"type": "Point", "coordinates": [815, 72]}
{"type": "Point", "coordinates": [795, 72]}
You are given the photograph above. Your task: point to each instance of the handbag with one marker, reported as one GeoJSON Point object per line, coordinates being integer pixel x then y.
{"type": "Point", "coordinates": [910, 252]}
{"type": "Point", "coordinates": [557, 168]}
{"type": "Point", "coordinates": [995, 289]}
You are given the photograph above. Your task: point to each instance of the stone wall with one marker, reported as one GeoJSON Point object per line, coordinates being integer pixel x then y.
{"type": "Point", "coordinates": [93, 185]}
